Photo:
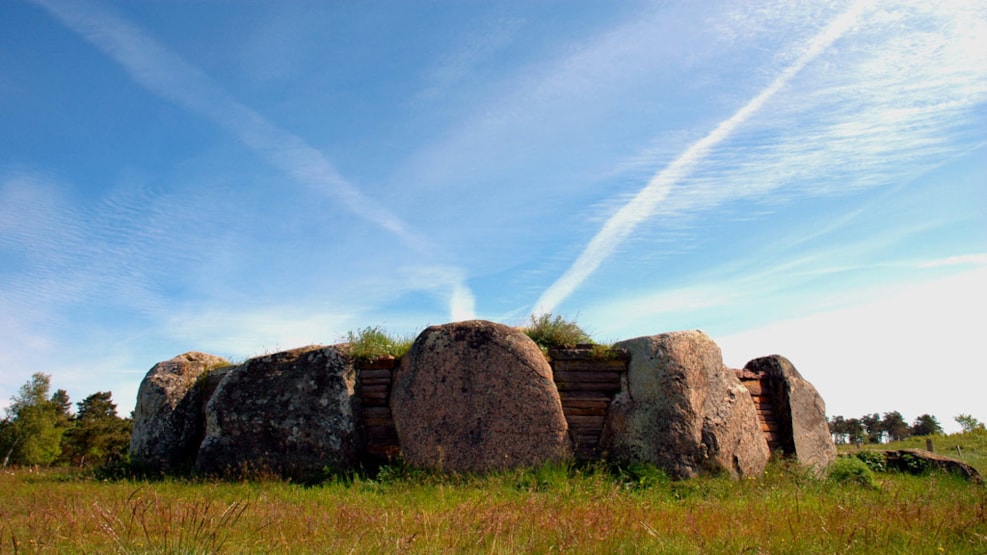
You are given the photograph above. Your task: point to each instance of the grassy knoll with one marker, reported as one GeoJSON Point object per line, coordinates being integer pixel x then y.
{"type": "Point", "coordinates": [969, 447]}
{"type": "Point", "coordinates": [544, 511]}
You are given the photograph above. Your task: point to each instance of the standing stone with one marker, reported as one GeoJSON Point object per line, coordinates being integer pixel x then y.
{"type": "Point", "coordinates": [168, 417]}
{"type": "Point", "coordinates": [291, 414]}
{"type": "Point", "coordinates": [682, 411]}
{"type": "Point", "coordinates": [801, 412]}
{"type": "Point", "coordinates": [477, 396]}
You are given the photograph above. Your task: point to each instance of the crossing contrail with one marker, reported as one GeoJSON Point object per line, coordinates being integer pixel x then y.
{"type": "Point", "coordinates": [642, 206]}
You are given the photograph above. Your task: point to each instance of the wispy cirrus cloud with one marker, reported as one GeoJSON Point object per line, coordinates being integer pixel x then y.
{"type": "Point", "coordinates": [894, 99]}
{"type": "Point", "coordinates": [644, 204]}
{"type": "Point", "coordinates": [162, 72]}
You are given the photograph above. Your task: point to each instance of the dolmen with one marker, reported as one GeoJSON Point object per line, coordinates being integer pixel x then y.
{"type": "Point", "coordinates": [477, 396]}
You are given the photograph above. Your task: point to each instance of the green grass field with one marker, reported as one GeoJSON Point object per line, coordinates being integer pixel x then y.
{"type": "Point", "coordinates": [549, 510]}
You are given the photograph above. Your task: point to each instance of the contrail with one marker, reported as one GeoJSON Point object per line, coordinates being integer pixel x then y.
{"type": "Point", "coordinates": [160, 71]}
{"type": "Point", "coordinates": [163, 73]}
{"type": "Point", "coordinates": [643, 205]}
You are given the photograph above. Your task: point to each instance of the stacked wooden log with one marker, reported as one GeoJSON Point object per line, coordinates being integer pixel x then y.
{"type": "Point", "coordinates": [375, 391]}
{"type": "Point", "coordinates": [587, 383]}
{"type": "Point", "coordinates": [761, 392]}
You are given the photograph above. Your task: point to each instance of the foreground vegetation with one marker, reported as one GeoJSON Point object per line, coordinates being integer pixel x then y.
{"type": "Point", "coordinates": [588, 510]}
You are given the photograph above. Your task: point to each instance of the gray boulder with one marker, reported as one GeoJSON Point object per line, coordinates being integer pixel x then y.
{"type": "Point", "coordinates": [682, 411]}
{"type": "Point", "coordinates": [803, 431]}
{"type": "Point", "coordinates": [477, 396]}
{"type": "Point", "coordinates": [291, 414]}
{"type": "Point", "coordinates": [919, 461]}
{"type": "Point", "coordinates": [168, 418]}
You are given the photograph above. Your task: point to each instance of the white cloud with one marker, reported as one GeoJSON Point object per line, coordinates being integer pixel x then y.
{"type": "Point", "coordinates": [979, 259]}
{"type": "Point", "coordinates": [919, 350]}
{"type": "Point", "coordinates": [477, 46]}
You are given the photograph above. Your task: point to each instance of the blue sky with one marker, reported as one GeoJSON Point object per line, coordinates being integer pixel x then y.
{"type": "Point", "coordinates": [791, 177]}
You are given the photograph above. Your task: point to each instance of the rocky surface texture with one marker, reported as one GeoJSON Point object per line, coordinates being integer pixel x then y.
{"type": "Point", "coordinates": [290, 414]}
{"type": "Point", "coordinates": [919, 461]}
{"type": "Point", "coordinates": [477, 396]}
{"type": "Point", "coordinates": [801, 413]}
{"type": "Point", "coordinates": [682, 411]}
{"type": "Point", "coordinates": [168, 417]}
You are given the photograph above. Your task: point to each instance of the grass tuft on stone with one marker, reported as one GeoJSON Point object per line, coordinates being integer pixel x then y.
{"type": "Point", "coordinates": [373, 342]}
{"type": "Point", "coordinates": [555, 331]}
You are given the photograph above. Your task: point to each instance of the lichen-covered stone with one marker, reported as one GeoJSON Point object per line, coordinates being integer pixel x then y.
{"type": "Point", "coordinates": [291, 414]}
{"type": "Point", "coordinates": [800, 410]}
{"type": "Point", "coordinates": [477, 396]}
{"type": "Point", "coordinates": [682, 411]}
{"type": "Point", "coordinates": [168, 419]}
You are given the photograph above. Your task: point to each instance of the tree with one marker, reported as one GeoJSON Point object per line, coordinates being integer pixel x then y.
{"type": "Point", "coordinates": [837, 428]}
{"type": "Point", "coordinates": [36, 423]}
{"type": "Point", "coordinates": [97, 435]}
{"type": "Point", "coordinates": [926, 425]}
{"type": "Point", "coordinates": [895, 426]}
{"type": "Point", "coordinates": [968, 423]}
{"type": "Point", "coordinates": [872, 425]}
{"type": "Point", "coordinates": [855, 431]}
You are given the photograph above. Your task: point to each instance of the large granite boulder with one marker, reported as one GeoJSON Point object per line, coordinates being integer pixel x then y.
{"type": "Point", "coordinates": [477, 396]}
{"type": "Point", "coordinates": [291, 414]}
{"type": "Point", "coordinates": [168, 418]}
{"type": "Point", "coordinates": [800, 411]}
{"type": "Point", "coordinates": [682, 411]}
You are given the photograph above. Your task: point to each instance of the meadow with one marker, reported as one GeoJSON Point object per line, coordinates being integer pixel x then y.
{"type": "Point", "coordinates": [545, 510]}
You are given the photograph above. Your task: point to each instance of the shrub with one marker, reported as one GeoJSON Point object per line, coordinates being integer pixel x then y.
{"type": "Point", "coordinates": [553, 330]}
{"type": "Point", "coordinates": [851, 470]}
{"type": "Point", "coordinates": [873, 459]}
{"type": "Point", "coordinates": [910, 464]}
{"type": "Point", "coordinates": [373, 342]}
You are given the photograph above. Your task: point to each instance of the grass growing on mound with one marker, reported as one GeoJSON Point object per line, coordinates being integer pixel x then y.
{"type": "Point", "coordinates": [969, 447]}
{"type": "Point", "coordinates": [553, 330]}
{"type": "Point", "coordinates": [373, 342]}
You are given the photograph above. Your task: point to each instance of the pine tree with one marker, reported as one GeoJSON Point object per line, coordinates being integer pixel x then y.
{"type": "Point", "coordinates": [895, 426]}
{"type": "Point", "coordinates": [97, 435]}
{"type": "Point", "coordinates": [926, 425]}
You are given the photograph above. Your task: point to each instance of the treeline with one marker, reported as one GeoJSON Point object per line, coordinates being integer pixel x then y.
{"type": "Point", "coordinates": [40, 428]}
{"type": "Point", "coordinates": [874, 428]}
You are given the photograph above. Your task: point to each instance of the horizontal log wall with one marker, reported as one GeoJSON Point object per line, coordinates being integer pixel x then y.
{"type": "Point", "coordinates": [374, 389]}
{"type": "Point", "coordinates": [761, 391]}
{"type": "Point", "coordinates": [587, 382]}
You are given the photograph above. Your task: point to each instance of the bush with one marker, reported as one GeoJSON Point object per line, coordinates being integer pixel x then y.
{"type": "Point", "coordinates": [851, 470]}
{"type": "Point", "coordinates": [873, 459]}
{"type": "Point", "coordinates": [552, 330]}
{"type": "Point", "coordinates": [910, 464]}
